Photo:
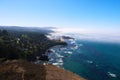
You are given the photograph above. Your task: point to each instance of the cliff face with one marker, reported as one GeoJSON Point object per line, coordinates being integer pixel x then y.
{"type": "Point", "coordinates": [23, 70]}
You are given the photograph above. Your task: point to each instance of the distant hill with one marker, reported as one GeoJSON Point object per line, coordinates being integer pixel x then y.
{"type": "Point", "coordinates": [45, 30]}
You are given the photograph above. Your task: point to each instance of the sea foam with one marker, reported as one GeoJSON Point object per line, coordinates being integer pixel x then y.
{"type": "Point", "coordinates": [111, 74]}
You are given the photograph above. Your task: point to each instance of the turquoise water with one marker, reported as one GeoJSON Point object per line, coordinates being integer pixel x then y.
{"type": "Point", "coordinates": [95, 60]}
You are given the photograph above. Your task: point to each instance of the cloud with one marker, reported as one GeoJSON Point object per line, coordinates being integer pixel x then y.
{"type": "Point", "coordinates": [106, 35]}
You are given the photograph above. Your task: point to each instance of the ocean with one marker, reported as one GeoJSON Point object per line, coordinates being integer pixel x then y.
{"type": "Point", "coordinates": [93, 60]}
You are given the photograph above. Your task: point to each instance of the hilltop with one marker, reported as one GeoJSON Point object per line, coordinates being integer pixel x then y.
{"type": "Point", "coordinates": [23, 70]}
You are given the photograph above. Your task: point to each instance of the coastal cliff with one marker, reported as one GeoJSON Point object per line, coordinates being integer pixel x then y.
{"type": "Point", "coordinates": [19, 50]}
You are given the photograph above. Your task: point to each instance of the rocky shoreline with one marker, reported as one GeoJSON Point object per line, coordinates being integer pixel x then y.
{"type": "Point", "coordinates": [24, 54]}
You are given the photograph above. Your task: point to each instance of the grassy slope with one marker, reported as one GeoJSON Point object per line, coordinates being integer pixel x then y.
{"type": "Point", "coordinates": [23, 70]}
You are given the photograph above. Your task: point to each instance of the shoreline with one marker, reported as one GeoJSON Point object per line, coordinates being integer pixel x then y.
{"type": "Point", "coordinates": [47, 53]}
{"type": "Point", "coordinates": [24, 48]}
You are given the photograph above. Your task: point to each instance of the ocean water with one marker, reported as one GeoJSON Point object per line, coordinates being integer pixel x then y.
{"type": "Point", "coordinates": [94, 60]}
{"type": "Point", "coordinates": [92, 57]}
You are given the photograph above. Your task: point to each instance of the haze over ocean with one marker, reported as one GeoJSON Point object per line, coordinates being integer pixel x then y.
{"type": "Point", "coordinates": [92, 57]}
{"type": "Point", "coordinates": [96, 57]}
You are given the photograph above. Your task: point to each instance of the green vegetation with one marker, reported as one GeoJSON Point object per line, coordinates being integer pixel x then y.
{"type": "Point", "coordinates": [24, 45]}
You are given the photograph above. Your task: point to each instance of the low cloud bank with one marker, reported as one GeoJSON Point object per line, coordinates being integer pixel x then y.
{"type": "Point", "coordinates": [106, 35]}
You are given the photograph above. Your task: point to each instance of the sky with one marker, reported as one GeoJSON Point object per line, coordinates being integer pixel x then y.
{"type": "Point", "coordinates": [75, 14]}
